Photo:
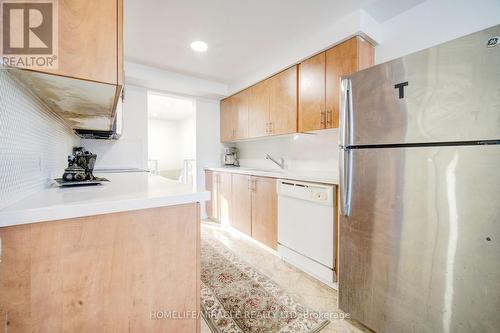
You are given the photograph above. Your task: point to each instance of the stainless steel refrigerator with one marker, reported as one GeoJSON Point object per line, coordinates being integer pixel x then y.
{"type": "Point", "coordinates": [420, 190]}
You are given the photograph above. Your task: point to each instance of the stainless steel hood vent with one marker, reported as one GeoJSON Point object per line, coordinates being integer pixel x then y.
{"type": "Point", "coordinates": [114, 134]}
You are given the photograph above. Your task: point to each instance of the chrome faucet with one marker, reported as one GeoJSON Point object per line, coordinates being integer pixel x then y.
{"type": "Point", "coordinates": [281, 163]}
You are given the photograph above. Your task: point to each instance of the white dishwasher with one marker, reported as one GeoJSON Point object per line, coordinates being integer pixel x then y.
{"type": "Point", "coordinates": [306, 227]}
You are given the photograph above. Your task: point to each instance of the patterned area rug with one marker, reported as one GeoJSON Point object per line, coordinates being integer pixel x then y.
{"type": "Point", "coordinates": [235, 298]}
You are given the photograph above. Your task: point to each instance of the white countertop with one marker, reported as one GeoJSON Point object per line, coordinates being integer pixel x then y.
{"type": "Point", "coordinates": [124, 192]}
{"type": "Point", "coordinates": [307, 176]}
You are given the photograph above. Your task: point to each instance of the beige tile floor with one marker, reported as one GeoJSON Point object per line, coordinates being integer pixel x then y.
{"type": "Point", "coordinates": [304, 288]}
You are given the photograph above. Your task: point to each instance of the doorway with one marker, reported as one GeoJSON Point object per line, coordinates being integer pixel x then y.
{"type": "Point", "coordinates": [172, 137]}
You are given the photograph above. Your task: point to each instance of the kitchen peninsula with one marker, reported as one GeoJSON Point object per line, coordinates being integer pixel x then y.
{"type": "Point", "coordinates": [102, 258]}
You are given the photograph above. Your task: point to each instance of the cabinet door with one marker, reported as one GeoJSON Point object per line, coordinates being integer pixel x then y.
{"type": "Point", "coordinates": [312, 93]}
{"type": "Point", "coordinates": [340, 60]}
{"type": "Point", "coordinates": [366, 54]}
{"type": "Point", "coordinates": [227, 120]}
{"type": "Point", "coordinates": [265, 211]}
{"type": "Point", "coordinates": [258, 109]}
{"type": "Point", "coordinates": [241, 208]}
{"type": "Point", "coordinates": [102, 273]}
{"type": "Point", "coordinates": [240, 105]}
{"type": "Point", "coordinates": [88, 45]}
{"type": "Point", "coordinates": [212, 185]}
{"type": "Point", "coordinates": [225, 197]}
{"type": "Point", "coordinates": [283, 102]}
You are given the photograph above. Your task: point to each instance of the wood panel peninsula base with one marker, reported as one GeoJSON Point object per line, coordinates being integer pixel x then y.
{"type": "Point", "coordinates": [104, 273]}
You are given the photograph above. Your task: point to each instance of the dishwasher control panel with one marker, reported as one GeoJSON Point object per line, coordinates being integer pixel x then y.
{"type": "Point", "coordinates": [319, 193]}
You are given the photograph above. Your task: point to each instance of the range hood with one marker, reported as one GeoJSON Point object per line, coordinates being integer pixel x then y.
{"type": "Point", "coordinates": [113, 134]}
{"type": "Point", "coordinates": [92, 109]}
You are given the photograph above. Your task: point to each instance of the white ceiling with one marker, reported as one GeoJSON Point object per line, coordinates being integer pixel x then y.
{"type": "Point", "coordinates": [169, 108]}
{"type": "Point", "coordinates": [241, 35]}
{"type": "Point", "coordinates": [383, 10]}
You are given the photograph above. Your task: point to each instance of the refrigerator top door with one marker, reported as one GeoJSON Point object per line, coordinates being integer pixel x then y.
{"type": "Point", "coordinates": [447, 93]}
{"type": "Point", "coordinates": [419, 248]}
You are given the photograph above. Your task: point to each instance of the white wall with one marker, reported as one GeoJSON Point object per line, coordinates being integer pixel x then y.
{"type": "Point", "coordinates": [304, 46]}
{"type": "Point", "coordinates": [34, 143]}
{"type": "Point", "coordinates": [208, 146]}
{"type": "Point", "coordinates": [131, 150]}
{"type": "Point", "coordinates": [167, 81]}
{"type": "Point", "coordinates": [164, 144]}
{"type": "Point", "coordinates": [302, 152]}
{"type": "Point", "coordinates": [171, 142]}
{"type": "Point", "coordinates": [434, 22]}
{"type": "Point", "coordinates": [187, 136]}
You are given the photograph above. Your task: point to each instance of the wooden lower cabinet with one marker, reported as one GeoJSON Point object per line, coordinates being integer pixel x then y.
{"type": "Point", "coordinates": [212, 183]}
{"type": "Point", "coordinates": [247, 203]}
{"type": "Point", "coordinates": [265, 211]}
{"type": "Point", "coordinates": [241, 204]}
{"type": "Point", "coordinates": [225, 197]}
{"type": "Point", "coordinates": [104, 273]}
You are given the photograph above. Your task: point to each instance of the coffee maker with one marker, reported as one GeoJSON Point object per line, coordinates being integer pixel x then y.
{"type": "Point", "coordinates": [230, 157]}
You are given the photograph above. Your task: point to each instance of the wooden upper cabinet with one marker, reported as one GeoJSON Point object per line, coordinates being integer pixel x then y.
{"type": "Point", "coordinates": [85, 87]}
{"type": "Point", "coordinates": [258, 109]}
{"type": "Point", "coordinates": [312, 93]}
{"type": "Point", "coordinates": [121, 50]}
{"type": "Point", "coordinates": [283, 102]}
{"type": "Point", "coordinates": [341, 60]}
{"type": "Point", "coordinates": [320, 78]}
{"type": "Point", "coordinates": [366, 53]}
{"type": "Point", "coordinates": [234, 117]}
{"type": "Point", "coordinates": [301, 98]}
{"type": "Point", "coordinates": [272, 107]}
{"type": "Point", "coordinates": [227, 120]}
{"type": "Point", "coordinates": [241, 204]}
{"type": "Point", "coordinates": [90, 40]}
{"type": "Point", "coordinates": [240, 107]}
{"type": "Point", "coordinates": [264, 211]}
{"type": "Point", "coordinates": [266, 108]}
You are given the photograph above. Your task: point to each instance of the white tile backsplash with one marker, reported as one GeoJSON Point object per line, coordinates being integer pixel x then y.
{"type": "Point", "coordinates": [34, 143]}
{"type": "Point", "coordinates": [317, 151]}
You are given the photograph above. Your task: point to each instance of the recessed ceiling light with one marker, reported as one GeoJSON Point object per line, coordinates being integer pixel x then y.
{"type": "Point", "coordinates": [199, 46]}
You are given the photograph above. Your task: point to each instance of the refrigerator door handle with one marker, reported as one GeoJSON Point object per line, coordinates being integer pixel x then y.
{"type": "Point", "coordinates": [345, 180]}
{"type": "Point", "coordinates": [345, 117]}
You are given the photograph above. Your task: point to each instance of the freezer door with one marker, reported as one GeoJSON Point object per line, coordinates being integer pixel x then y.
{"type": "Point", "coordinates": [420, 247]}
{"type": "Point", "coordinates": [447, 93]}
